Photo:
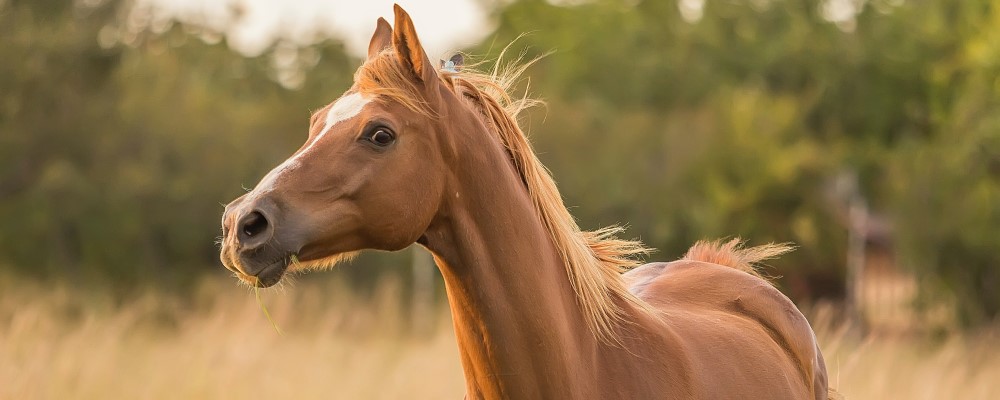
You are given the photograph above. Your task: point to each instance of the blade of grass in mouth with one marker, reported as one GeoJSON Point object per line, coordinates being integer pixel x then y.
{"type": "Point", "coordinates": [256, 293]}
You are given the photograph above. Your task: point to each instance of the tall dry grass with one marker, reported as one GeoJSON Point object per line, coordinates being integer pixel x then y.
{"type": "Point", "coordinates": [64, 343]}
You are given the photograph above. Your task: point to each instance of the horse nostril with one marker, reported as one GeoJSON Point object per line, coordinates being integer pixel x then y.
{"type": "Point", "coordinates": [253, 224]}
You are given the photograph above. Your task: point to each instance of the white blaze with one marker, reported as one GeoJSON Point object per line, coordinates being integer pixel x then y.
{"type": "Point", "coordinates": [345, 108]}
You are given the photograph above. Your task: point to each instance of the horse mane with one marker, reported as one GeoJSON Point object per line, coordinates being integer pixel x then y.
{"type": "Point", "coordinates": [735, 255]}
{"type": "Point", "coordinates": [594, 260]}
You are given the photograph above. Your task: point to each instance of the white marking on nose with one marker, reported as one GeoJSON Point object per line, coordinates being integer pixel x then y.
{"type": "Point", "coordinates": [343, 109]}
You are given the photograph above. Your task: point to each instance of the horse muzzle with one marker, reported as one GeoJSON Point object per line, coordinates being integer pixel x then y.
{"type": "Point", "coordinates": [251, 245]}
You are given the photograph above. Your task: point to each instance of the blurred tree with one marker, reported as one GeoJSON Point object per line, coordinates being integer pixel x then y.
{"type": "Point", "coordinates": [119, 144]}
{"type": "Point", "coordinates": [945, 190]}
{"type": "Point", "coordinates": [692, 130]}
{"type": "Point", "coordinates": [54, 85]}
{"type": "Point", "coordinates": [738, 119]}
{"type": "Point", "coordinates": [121, 132]}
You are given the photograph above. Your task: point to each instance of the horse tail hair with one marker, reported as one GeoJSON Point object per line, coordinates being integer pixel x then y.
{"type": "Point", "coordinates": [734, 254]}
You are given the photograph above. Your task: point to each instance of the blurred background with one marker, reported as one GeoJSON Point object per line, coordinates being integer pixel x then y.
{"type": "Point", "coordinates": [867, 132]}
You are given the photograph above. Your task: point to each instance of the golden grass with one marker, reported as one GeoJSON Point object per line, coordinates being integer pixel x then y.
{"type": "Point", "coordinates": [910, 365]}
{"type": "Point", "coordinates": [59, 343]}
{"type": "Point", "coordinates": [219, 345]}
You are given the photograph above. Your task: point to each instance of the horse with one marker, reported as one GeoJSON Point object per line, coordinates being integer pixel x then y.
{"type": "Point", "coordinates": [415, 152]}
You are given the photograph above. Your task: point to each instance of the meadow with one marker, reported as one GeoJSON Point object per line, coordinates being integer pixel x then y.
{"type": "Point", "coordinates": [62, 342]}
{"type": "Point", "coordinates": [124, 128]}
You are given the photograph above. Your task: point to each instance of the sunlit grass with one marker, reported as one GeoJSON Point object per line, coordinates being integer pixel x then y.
{"type": "Point", "coordinates": [58, 343]}
{"type": "Point", "coordinates": [913, 364]}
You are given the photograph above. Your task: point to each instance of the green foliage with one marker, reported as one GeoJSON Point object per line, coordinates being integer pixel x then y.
{"type": "Point", "coordinates": [740, 122]}
{"type": "Point", "coordinates": [116, 161]}
{"type": "Point", "coordinates": [118, 146]}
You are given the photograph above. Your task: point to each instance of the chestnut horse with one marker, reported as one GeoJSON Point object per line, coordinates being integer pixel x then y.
{"type": "Point", "coordinates": [541, 309]}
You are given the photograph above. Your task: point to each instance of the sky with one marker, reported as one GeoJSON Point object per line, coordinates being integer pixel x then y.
{"type": "Point", "coordinates": [442, 25]}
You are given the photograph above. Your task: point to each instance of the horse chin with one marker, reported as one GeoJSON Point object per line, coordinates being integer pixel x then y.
{"type": "Point", "coordinates": [267, 277]}
{"type": "Point", "coordinates": [273, 273]}
{"type": "Point", "coordinates": [304, 263]}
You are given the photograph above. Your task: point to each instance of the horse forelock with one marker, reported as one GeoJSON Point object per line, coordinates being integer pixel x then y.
{"type": "Point", "coordinates": [382, 75]}
{"type": "Point", "coordinates": [593, 260]}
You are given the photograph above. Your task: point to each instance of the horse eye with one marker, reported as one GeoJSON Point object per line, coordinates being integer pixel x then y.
{"type": "Point", "coordinates": [381, 137]}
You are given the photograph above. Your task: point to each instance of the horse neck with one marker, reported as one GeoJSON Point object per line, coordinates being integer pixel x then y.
{"type": "Point", "coordinates": [519, 328]}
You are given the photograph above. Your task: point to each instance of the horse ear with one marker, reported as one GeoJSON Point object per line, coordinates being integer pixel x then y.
{"type": "Point", "coordinates": [381, 39]}
{"type": "Point", "coordinates": [408, 49]}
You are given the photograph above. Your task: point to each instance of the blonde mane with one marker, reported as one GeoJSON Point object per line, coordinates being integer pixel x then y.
{"type": "Point", "coordinates": [735, 255]}
{"type": "Point", "coordinates": [594, 260]}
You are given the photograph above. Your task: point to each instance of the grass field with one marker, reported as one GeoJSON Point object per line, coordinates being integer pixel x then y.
{"type": "Point", "coordinates": [62, 343]}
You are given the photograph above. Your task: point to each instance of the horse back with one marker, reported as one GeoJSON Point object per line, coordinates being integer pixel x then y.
{"type": "Point", "coordinates": [716, 314]}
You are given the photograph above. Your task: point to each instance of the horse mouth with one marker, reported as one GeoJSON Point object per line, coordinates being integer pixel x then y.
{"type": "Point", "coordinates": [269, 276]}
